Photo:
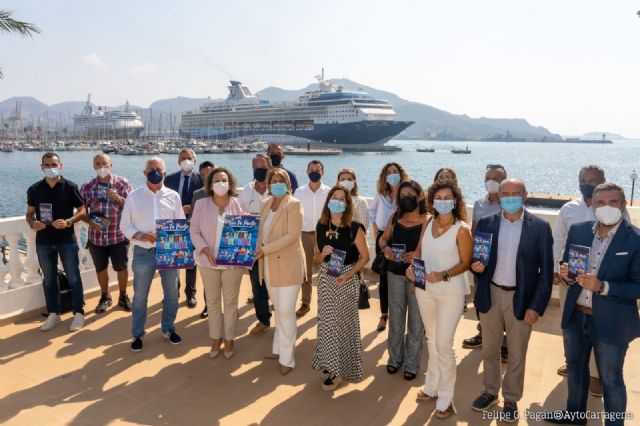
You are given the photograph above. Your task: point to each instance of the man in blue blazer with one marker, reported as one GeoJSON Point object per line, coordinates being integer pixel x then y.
{"type": "Point", "coordinates": [512, 292]}
{"type": "Point", "coordinates": [600, 310]}
{"type": "Point", "coordinates": [185, 182]}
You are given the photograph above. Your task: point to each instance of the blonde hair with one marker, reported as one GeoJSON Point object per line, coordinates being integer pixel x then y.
{"type": "Point", "coordinates": [352, 172]}
{"type": "Point", "coordinates": [282, 173]}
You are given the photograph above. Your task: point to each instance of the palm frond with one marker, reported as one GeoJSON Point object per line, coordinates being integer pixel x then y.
{"type": "Point", "coordinates": [10, 25]}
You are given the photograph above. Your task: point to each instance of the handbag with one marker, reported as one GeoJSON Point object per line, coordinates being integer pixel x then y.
{"type": "Point", "coordinates": [379, 264]}
{"type": "Point", "coordinates": [363, 296]}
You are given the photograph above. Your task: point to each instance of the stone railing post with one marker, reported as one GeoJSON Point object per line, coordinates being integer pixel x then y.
{"type": "Point", "coordinates": [15, 265]}
{"type": "Point", "coordinates": [31, 264]}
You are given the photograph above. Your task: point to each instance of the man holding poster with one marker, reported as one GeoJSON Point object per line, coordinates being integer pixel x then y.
{"type": "Point", "coordinates": [143, 207]}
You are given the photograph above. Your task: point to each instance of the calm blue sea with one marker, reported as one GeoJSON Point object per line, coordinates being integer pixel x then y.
{"type": "Point", "coordinates": [546, 168]}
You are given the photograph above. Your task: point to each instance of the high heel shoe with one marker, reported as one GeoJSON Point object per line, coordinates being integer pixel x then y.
{"type": "Point", "coordinates": [229, 354]}
{"type": "Point", "coordinates": [214, 354]}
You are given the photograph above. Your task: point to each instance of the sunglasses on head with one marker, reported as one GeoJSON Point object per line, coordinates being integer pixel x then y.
{"type": "Point", "coordinates": [494, 166]}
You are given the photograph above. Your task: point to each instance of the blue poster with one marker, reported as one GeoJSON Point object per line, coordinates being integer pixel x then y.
{"type": "Point", "coordinates": [238, 241]}
{"type": "Point", "coordinates": [173, 244]}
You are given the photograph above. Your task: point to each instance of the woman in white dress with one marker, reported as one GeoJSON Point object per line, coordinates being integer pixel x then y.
{"type": "Point", "coordinates": [446, 247]}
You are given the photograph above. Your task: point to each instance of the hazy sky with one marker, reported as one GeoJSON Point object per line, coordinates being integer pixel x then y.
{"type": "Point", "coordinates": [570, 65]}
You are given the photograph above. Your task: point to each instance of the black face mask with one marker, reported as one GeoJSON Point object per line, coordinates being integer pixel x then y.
{"type": "Point", "coordinates": [315, 177]}
{"type": "Point", "coordinates": [260, 174]}
{"type": "Point", "coordinates": [276, 159]}
{"type": "Point", "coordinates": [408, 203]}
{"type": "Point", "coordinates": [587, 190]}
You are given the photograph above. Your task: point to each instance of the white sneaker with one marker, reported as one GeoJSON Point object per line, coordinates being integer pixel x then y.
{"type": "Point", "coordinates": [77, 323]}
{"type": "Point", "coordinates": [52, 321]}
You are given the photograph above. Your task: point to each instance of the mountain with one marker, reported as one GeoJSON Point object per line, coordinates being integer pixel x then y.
{"type": "Point", "coordinates": [429, 121]}
{"type": "Point", "coordinates": [598, 135]}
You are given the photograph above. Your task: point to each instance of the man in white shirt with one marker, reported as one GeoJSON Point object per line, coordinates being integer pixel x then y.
{"type": "Point", "coordinates": [250, 199]}
{"type": "Point", "coordinates": [143, 206]}
{"type": "Point", "coordinates": [312, 196]}
{"type": "Point", "coordinates": [573, 212]}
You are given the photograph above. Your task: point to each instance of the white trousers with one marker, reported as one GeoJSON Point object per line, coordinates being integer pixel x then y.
{"type": "Point", "coordinates": [440, 317]}
{"type": "Point", "coordinates": [284, 339]}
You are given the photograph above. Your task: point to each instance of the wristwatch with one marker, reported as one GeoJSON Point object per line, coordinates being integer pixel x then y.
{"type": "Point", "coordinates": [445, 276]}
{"type": "Point", "coordinates": [69, 223]}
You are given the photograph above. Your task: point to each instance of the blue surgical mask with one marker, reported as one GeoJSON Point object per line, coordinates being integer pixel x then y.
{"type": "Point", "coordinates": [155, 177]}
{"type": "Point", "coordinates": [511, 204]}
{"type": "Point", "coordinates": [52, 172]}
{"type": "Point", "coordinates": [336, 206]}
{"type": "Point", "coordinates": [443, 206]}
{"type": "Point", "coordinates": [393, 179]}
{"type": "Point", "coordinates": [278, 189]}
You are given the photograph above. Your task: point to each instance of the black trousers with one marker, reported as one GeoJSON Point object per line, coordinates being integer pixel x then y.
{"type": "Point", "coordinates": [190, 284]}
{"type": "Point", "coordinates": [383, 289]}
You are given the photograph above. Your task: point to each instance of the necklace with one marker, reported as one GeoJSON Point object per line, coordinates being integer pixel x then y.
{"type": "Point", "coordinates": [332, 233]}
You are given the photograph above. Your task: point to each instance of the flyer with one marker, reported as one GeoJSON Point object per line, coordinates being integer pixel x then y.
{"type": "Point", "coordinates": [238, 241]}
{"type": "Point", "coordinates": [174, 249]}
{"type": "Point", "coordinates": [46, 213]}
{"type": "Point", "coordinates": [578, 260]}
{"type": "Point", "coordinates": [482, 247]}
{"type": "Point", "coordinates": [420, 272]}
{"type": "Point", "coordinates": [336, 262]}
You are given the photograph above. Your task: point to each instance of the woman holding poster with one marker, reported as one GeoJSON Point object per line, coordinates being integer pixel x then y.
{"type": "Point", "coordinates": [221, 283]}
{"type": "Point", "coordinates": [342, 248]}
{"type": "Point", "coordinates": [281, 262]}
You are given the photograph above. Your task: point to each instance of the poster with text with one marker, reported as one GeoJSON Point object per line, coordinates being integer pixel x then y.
{"type": "Point", "coordinates": [173, 244]}
{"type": "Point", "coordinates": [238, 241]}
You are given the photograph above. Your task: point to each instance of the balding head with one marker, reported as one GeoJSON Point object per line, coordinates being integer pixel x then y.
{"type": "Point", "coordinates": [101, 160]}
{"type": "Point", "coordinates": [513, 188]}
{"type": "Point", "coordinates": [155, 163]}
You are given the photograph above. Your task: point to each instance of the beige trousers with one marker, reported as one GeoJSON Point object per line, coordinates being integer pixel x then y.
{"type": "Point", "coordinates": [499, 317]}
{"type": "Point", "coordinates": [308, 244]}
{"type": "Point", "coordinates": [222, 286]}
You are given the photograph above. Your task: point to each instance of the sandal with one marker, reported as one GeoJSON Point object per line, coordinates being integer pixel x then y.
{"type": "Point", "coordinates": [391, 369]}
{"type": "Point", "coordinates": [423, 396]}
{"type": "Point", "coordinates": [409, 375]}
{"type": "Point", "coordinates": [450, 411]}
{"type": "Point", "coordinates": [382, 325]}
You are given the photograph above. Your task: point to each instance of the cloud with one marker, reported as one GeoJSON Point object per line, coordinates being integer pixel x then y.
{"type": "Point", "coordinates": [146, 68]}
{"type": "Point", "coordinates": [95, 61]}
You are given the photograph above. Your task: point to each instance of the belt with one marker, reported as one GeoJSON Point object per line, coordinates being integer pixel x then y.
{"type": "Point", "coordinates": [504, 287]}
{"type": "Point", "coordinates": [308, 232]}
{"type": "Point", "coordinates": [584, 309]}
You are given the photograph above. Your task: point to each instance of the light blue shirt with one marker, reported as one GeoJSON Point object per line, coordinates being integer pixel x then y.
{"type": "Point", "coordinates": [508, 242]}
{"type": "Point", "coordinates": [181, 184]}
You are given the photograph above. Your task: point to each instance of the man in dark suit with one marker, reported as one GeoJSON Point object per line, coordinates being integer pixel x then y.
{"type": "Point", "coordinates": [513, 291]}
{"type": "Point", "coordinates": [185, 182]}
{"type": "Point", "coordinates": [600, 310]}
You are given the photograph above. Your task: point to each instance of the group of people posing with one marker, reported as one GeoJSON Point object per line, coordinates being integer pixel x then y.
{"type": "Point", "coordinates": [303, 227]}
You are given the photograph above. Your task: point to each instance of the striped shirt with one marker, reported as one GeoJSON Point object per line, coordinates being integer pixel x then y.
{"type": "Point", "coordinates": [94, 194]}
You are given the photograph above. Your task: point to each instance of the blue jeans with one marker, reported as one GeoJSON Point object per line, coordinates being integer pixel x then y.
{"type": "Point", "coordinates": [578, 341]}
{"type": "Point", "coordinates": [144, 267]}
{"type": "Point", "coordinates": [48, 259]}
{"type": "Point", "coordinates": [260, 295]}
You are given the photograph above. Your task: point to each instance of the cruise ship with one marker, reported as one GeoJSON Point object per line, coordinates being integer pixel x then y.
{"type": "Point", "coordinates": [329, 115]}
{"type": "Point", "coordinates": [103, 124]}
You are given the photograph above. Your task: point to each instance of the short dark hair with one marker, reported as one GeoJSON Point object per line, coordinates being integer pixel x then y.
{"type": "Point", "coordinates": [49, 155]}
{"type": "Point", "coordinates": [594, 168]}
{"type": "Point", "coordinates": [208, 187]}
{"type": "Point", "coordinates": [205, 164]}
{"type": "Point", "coordinates": [318, 162]}
{"type": "Point", "coordinates": [608, 186]}
{"type": "Point", "coordinates": [499, 167]}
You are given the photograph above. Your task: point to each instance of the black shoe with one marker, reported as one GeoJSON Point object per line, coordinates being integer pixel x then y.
{"type": "Point", "coordinates": [510, 412]}
{"type": "Point", "coordinates": [136, 345]}
{"type": "Point", "coordinates": [473, 342]}
{"type": "Point", "coordinates": [484, 401]}
{"type": "Point", "coordinates": [204, 313]}
{"type": "Point", "coordinates": [124, 302]}
{"type": "Point", "coordinates": [191, 302]}
{"type": "Point", "coordinates": [172, 337]}
{"type": "Point", "coordinates": [104, 304]}
{"type": "Point", "coordinates": [504, 354]}
{"type": "Point", "coordinates": [564, 419]}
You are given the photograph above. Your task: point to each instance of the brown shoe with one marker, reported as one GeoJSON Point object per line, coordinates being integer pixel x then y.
{"type": "Point", "coordinates": [285, 370]}
{"type": "Point", "coordinates": [304, 310]}
{"type": "Point", "coordinates": [595, 387]}
{"type": "Point", "coordinates": [562, 370]}
{"type": "Point", "coordinates": [272, 356]}
{"type": "Point", "coordinates": [259, 329]}
{"type": "Point", "coordinates": [450, 411]}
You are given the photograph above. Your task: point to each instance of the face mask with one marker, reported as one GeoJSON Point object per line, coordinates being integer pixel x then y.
{"type": "Point", "coordinates": [608, 215]}
{"type": "Point", "coordinates": [155, 177]}
{"type": "Point", "coordinates": [315, 177]}
{"type": "Point", "coordinates": [276, 159]}
{"type": "Point", "coordinates": [587, 191]}
{"type": "Point", "coordinates": [52, 172]}
{"type": "Point", "coordinates": [393, 179]}
{"type": "Point", "coordinates": [511, 204]}
{"type": "Point", "coordinates": [408, 203]}
{"type": "Point", "coordinates": [260, 174]}
{"type": "Point", "coordinates": [103, 172]}
{"type": "Point", "coordinates": [187, 166]}
{"type": "Point", "coordinates": [492, 186]}
{"type": "Point", "coordinates": [443, 206]}
{"type": "Point", "coordinates": [278, 189]}
{"type": "Point", "coordinates": [336, 206]}
{"type": "Point", "coordinates": [348, 184]}
{"type": "Point", "coordinates": [221, 188]}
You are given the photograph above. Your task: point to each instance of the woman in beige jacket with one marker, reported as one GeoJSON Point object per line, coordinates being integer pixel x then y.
{"type": "Point", "coordinates": [281, 262]}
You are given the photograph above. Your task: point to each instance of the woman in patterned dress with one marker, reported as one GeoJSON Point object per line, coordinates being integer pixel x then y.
{"type": "Point", "coordinates": [338, 351]}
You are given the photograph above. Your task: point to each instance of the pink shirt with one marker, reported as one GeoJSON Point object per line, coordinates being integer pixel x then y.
{"type": "Point", "coordinates": [204, 225]}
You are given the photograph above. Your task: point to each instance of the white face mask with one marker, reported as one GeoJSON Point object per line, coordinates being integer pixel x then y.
{"type": "Point", "coordinates": [349, 184]}
{"type": "Point", "coordinates": [221, 188]}
{"type": "Point", "coordinates": [608, 215]}
{"type": "Point", "coordinates": [187, 165]}
{"type": "Point", "coordinates": [492, 186]}
{"type": "Point", "coordinates": [103, 172]}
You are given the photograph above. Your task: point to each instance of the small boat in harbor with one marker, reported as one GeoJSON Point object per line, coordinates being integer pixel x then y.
{"type": "Point", "coordinates": [461, 151]}
{"type": "Point", "coordinates": [425, 150]}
